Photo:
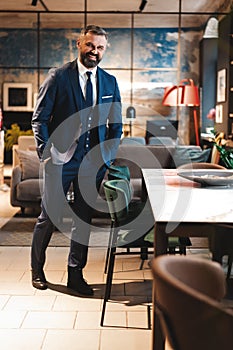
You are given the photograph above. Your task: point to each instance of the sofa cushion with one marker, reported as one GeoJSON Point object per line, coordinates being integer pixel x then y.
{"type": "Point", "coordinates": [29, 163]}
{"type": "Point", "coordinates": [29, 190]}
{"type": "Point", "coordinates": [138, 157]}
{"type": "Point", "coordinates": [188, 154]}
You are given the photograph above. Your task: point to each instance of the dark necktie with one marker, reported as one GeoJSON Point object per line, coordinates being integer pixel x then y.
{"type": "Point", "coordinates": [89, 91]}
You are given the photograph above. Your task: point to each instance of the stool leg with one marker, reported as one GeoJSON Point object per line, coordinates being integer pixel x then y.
{"type": "Point", "coordinates": [108, 282]}
{"type": "Point", "coordinates": [110, 268]}
{"type": "Point", "coordinates": [143, 256]}
{"type": "Point", "coordinates": [109, 247]}
{"type": "Point", "coordinates": [149, 316]}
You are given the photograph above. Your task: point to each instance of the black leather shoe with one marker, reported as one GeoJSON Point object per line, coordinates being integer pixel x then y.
{"type": "Point", "coordinates": [77, 283]}
{"type": "Point", "coordinates": [38, 280]}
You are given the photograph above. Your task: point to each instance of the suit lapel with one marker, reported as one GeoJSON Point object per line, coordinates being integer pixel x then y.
{"type": "Point", "coordinates": [99, 86]}
{"type": "Point", "coordinates": [73, 75]}
{"type": "Point", "coordinates": [99, 107]}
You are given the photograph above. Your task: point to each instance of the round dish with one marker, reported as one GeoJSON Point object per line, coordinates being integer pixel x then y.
{"type": "Point", "coordinates": [209, 177]}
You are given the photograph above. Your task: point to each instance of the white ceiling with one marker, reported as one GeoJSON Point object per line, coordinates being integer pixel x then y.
{"type": "Point", "coordinates": [148, 18]}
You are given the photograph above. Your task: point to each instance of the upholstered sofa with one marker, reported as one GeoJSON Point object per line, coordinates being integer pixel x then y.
{"type": "Point", "coordinates": [25, 143]}
{"type": "Point", "coordinates": [26, 183]}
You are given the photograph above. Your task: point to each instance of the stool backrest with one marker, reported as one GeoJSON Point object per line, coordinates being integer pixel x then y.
{"type": "Point", "coordinates": [118, 196]}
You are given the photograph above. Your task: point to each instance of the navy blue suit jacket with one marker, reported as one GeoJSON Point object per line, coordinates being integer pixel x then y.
{"type": "Point", "coordinates": [56, 118]}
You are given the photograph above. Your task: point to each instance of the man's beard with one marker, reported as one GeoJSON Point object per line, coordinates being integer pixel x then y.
{"type": "Point", "coordinates": [87, 62]}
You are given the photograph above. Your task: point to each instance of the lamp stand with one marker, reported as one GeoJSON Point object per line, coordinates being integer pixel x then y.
{"type": "Point", "coordinates": [196, 126]}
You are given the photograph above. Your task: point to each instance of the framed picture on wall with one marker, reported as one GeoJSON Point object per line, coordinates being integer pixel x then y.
{"type": "Point", "coordinates": [221, 85]}
{"type": "Point", "coordinates": [219, 114]}
{"type": "Point", "coordinates": [17, 97]}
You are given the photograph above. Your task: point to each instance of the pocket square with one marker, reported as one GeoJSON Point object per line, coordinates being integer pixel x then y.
{"type": "Point", "coordinates": [107, 96]}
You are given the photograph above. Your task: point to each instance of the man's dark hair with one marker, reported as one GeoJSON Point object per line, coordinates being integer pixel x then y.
{"type": "Point", "coordinates": [91, 28]}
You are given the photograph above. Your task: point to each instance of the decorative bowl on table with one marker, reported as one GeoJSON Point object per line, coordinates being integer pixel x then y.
{"type": "Point", "coordinates": [208, 177]}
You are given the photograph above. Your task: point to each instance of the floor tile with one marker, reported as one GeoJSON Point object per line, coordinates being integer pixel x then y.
{"type": "Point", "coordinates": [138, 319]}
{"type": "Point", "coordinates": [21, 339]}
{"type": "Point", "coordinates": [74, 303]}
{"type": "Point", "coordinates": [96, 254]}
{"type": "Point", "coordinates": [13, 275]}
{"type": "Point", "coordinates": [30, 303]}
{"type": "Point", "coordinates": [50, 320]}
{"type": "Point", "coordinates": [3, 300]}
{"type": "Point", "coordinates": [121, 339]}
{"type": "Point", "coordinates": [94, 276]}
{"type": "Point", "coordinates": [95, 266]}
{"type": "Point", "coordinates": [88, 320]}
{"type": "Point", "coordinates": [6, 210]}
{"type": "Point", "coordinates": [72, 340]}
{"type": "Point", "coordinates": [115, 319]}
{"type": "Point", "coordinates": [16, 288]}
{"type": "Point", "coordinates": [129, 275]}
{"type": "Point", "coordinates": [11, 319]}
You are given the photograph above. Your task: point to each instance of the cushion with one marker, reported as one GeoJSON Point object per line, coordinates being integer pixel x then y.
{"type": "Point", "coordinates": [184, 155]}
{"type": "Point", "coordinates": [29, 190]}
{"type": "Point", "coordinates": [29, 163]}
{"type": "Point", "coordinates": [138, 157]}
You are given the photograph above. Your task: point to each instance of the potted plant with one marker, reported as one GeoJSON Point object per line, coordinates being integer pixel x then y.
{"type": "Point", "coordinates": [226, 154]}
{"type": "Point", "coordinates": [11, 138]}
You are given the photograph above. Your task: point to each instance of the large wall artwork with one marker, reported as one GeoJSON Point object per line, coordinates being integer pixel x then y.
{"type": "Point", "coordinates": [142, 69]}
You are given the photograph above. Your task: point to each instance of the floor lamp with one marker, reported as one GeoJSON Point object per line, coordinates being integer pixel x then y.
{"type": "Point", "coordinates": [185, 94]}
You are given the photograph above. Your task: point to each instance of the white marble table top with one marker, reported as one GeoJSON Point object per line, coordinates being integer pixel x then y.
{"type": "Point", "coordinates": [175, 199]}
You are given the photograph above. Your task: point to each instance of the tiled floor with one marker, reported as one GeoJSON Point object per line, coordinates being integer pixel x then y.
{"type": "Point", "coordinates": [55, 319]}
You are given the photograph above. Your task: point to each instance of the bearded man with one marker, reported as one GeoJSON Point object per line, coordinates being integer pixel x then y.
{"type": "Point", "coordinates": [77, 124]}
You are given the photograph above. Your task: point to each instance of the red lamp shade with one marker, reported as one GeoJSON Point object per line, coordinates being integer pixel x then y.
{"type": "Point", "coordinates": [182, 95]}
{"type": "Point", "coordinates": [186, 94]}
{"type": "Point", "coordinates": [172, 96]}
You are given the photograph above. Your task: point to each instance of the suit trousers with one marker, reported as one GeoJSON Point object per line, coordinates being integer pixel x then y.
{"type": "Point", "coordinates": [57, 181]}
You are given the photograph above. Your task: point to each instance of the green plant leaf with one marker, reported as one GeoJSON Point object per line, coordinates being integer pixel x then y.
{"type": "Point", "coordinates": [11, 135]}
